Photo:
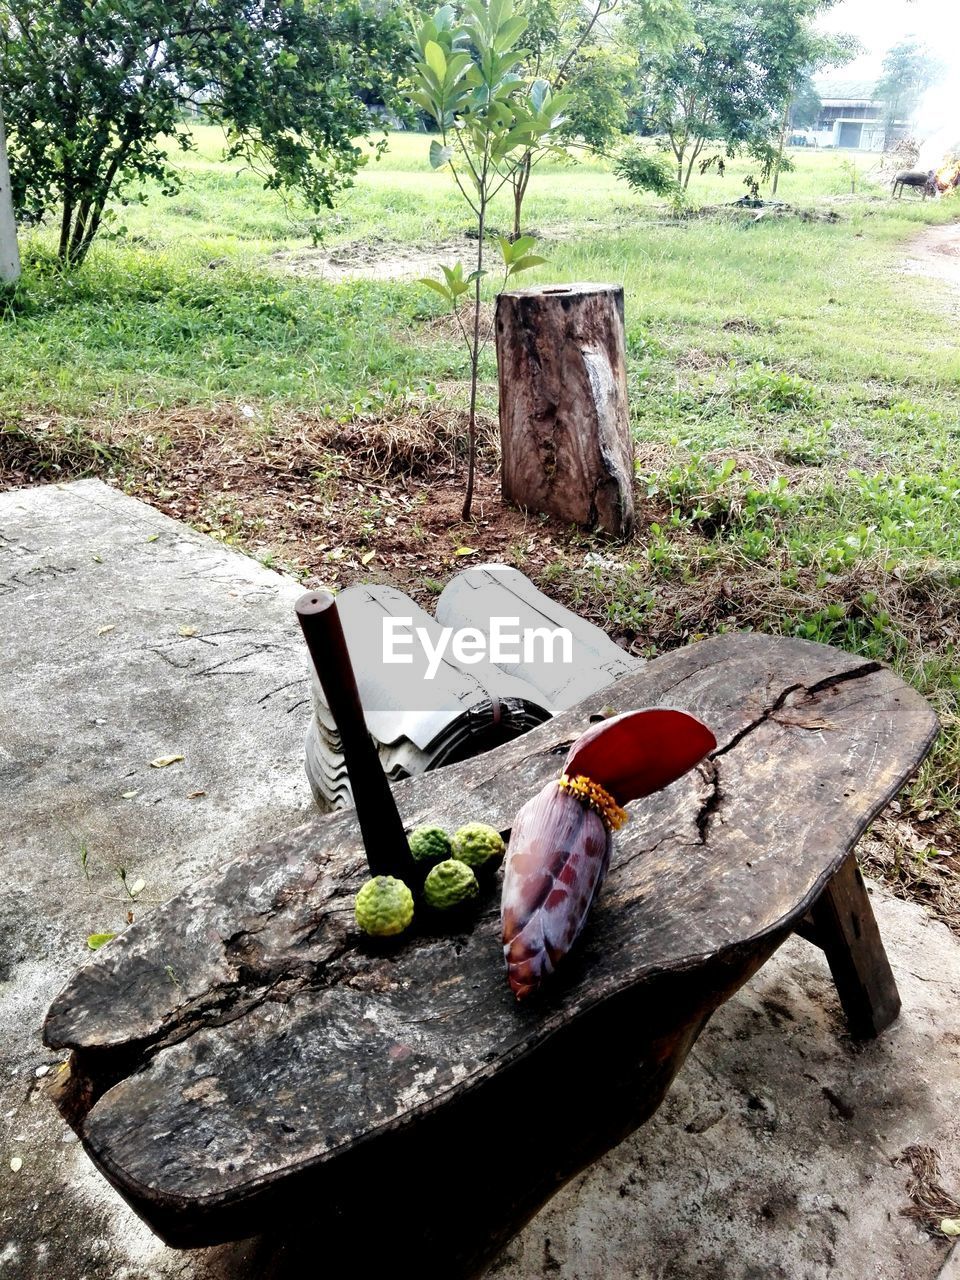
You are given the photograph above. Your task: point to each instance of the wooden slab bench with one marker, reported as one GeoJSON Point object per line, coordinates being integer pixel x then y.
{"type": "Point", "coordinates": [243, 1060]}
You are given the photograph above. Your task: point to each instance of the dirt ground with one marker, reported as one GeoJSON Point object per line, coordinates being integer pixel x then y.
{"type": "Point", "coordinates": [377, 258]}
{"type": "Point", "coordinates": [374, 259]}
{"type": "Point", "coordinates": [935, 254]}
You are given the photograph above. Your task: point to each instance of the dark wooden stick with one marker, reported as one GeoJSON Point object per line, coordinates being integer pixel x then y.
{"type": "Point", "coordinates": [384, 839]}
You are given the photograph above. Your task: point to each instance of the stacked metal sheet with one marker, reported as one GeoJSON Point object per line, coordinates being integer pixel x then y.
{"type": "Point", "coordinates": [421, 721]}
{"type": "Point", "coordinates": [497, 590]}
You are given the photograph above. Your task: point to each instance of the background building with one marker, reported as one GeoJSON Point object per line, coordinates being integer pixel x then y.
{"type": "Point", "coordinates": [850, 117]}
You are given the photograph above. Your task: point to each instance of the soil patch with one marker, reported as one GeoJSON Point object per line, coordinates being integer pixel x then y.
{"type": "Point", "coordinates": [935, 253]}
{"type": "Point", "coordinates": [741, 210]}
{"type": "Point", "coordinates": [336, 502]}
{"type": "Point", "coordinates": [376, 259]}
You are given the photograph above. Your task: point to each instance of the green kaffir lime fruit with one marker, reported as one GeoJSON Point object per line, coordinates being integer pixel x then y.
{"type": "Point", "coordinates": [383, 907]}
{"type": "Point", "coordinates": [429, 844]}
{"type": "Point", "coordinates": [476, 843]}
{"type": "Point", "coordinates": [449, 884]}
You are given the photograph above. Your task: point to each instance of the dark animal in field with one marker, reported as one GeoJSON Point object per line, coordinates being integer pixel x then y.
{"type": "Point", "coordinates": [926, 181]}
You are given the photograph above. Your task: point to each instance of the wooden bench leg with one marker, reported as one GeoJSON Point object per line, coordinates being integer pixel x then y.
{"type": "Point", "coordinates": [845, 927]}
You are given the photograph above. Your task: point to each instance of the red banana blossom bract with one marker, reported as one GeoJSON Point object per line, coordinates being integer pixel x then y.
{"type": "Point", "coordinates": [561, 840]}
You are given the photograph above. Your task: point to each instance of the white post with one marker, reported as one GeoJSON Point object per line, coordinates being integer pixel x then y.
{"type": "Point", "coordinates": [9, 253]}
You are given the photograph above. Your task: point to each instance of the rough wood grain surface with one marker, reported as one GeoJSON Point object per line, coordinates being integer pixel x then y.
{"type": "Point", "coordinates": [243, 1053]}
{"type": "Point", "coordinates": [564, 417]}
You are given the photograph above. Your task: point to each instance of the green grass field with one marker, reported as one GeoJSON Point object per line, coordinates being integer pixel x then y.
{"type": "Point", "coordinates": [796, 397]}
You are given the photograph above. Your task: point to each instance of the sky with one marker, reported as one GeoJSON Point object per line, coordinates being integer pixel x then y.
{"type": "Point", "coordinates": [880, 24]}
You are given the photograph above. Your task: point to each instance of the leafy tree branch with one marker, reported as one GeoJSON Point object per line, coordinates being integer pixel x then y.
{"type": "Point", "coordinates": [94, 92]}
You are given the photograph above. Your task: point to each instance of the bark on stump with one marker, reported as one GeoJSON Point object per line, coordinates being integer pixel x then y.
{"type": "Point", "coordinates": [564, 418]}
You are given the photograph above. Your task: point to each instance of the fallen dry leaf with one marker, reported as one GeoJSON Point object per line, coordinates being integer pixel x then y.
{"type": "Point", "coordinates": [161, 762]}
{"type": "Point", "coordinates": [102, 631]}
{"type": "Point", "coordinates": [465, 551]}
{"type": "Point", "coordinates": [367, 557]}
{"type": "Point", "coordinates": [195, 795]}
{"type": "Point", "coordinates": [186, 631]}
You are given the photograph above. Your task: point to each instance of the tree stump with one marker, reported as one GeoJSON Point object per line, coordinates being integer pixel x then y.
{"type": "Point", "coordinates": [564, 418]}
{"type": "Point", "coordinates": [242, 1059]}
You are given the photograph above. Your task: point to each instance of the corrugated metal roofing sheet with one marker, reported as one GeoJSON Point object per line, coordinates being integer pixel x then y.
{"type": "Point", "coordinates": [421, 724]}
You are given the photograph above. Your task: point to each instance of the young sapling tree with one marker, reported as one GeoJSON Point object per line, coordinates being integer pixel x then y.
{"type": "Point", "coordinates": [574, 49]}
{"type": "Point", "coordinates": [488, 115]}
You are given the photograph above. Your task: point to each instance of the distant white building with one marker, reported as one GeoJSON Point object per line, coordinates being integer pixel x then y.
{"type": "Point", "coordinates": [850, 118]}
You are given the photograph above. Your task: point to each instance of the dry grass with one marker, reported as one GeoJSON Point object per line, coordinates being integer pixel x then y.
{"type": "Point", "coordinates": [931, 1202]}
{"type": "Point", "coordinates": [53, 448]}
{"type": "Point", "coordinates": [913, 860]}
{"type": "Point", "coordinates": [409, 442]}
{"type": "Point", "coordinates": [412, 444]}
{"type": "Point", "coordinates": [445, 325]}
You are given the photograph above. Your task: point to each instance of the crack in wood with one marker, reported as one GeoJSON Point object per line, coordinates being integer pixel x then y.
{"type": "Point", "coordinates": [855, 673]}
{"type": "Point", "coordinates": [714, 801]}
{"type": "Point", "coordinates": [754, 724]}
{"type": "Point", "coordinates": [710, 807]}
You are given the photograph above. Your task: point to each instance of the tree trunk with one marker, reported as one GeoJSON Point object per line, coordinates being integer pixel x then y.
{"type": "Point", "coordinates": [521, 181]}
{"type": "Point", "coordinates": [9, 253]}
{"type": "Point", "coordinates": [564, 418]}
{"type": "Point", "coordinates": [474, 368]}
{"type": "Point", "coordinates": [784, 125]}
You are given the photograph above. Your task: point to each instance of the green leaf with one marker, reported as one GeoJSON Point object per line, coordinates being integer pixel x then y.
{"type": "Point", "coordinates": [97, 940]}
{"type": "Point", "coordinates": [524, 264]}
{"type": "Point", "coordinates": [539, 94]}
{"type": "Point", "coordinates": [436, 59]}
{"type": "Point", "coordinates": [437, 287]}
{"type": "Point", "coordinates": [455, 281]}
{"type": "Point", "coordinates": [509, 33]}
{"type": "Point", "coordinates": [522, 245]}
{"type": "Point", "coordinates": [457, 65]}
{"type": "Point", "coordinates": [439, 154]}
{"type": "Point", "coordinates": [427, 101]}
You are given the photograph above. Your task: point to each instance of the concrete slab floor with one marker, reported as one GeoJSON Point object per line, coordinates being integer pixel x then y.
{"type": "Point", "coordinates": [128, 637]}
